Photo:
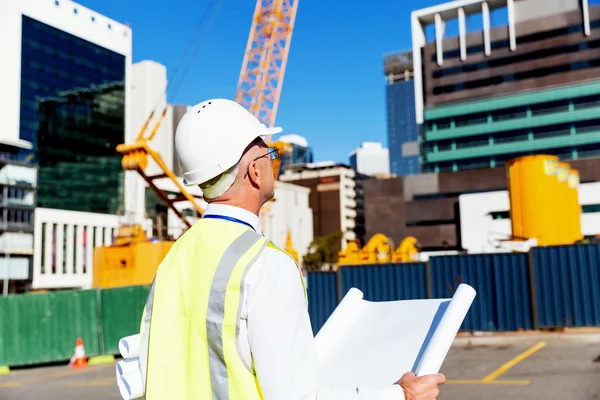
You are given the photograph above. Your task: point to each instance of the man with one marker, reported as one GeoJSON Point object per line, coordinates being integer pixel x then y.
{"type": "Point", "coordinates": [227, 314]}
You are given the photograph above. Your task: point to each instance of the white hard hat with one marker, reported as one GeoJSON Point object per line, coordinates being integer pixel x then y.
{"type": "Point", "coordinates": [212, 136]}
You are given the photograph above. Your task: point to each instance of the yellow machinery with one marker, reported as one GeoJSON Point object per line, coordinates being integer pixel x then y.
{"type": "Point", "coordinates": [378, 250]}
{"type": "Point", "coordinates": [133, 259]}
{"type": "Point", "coordinates": [543, 206]}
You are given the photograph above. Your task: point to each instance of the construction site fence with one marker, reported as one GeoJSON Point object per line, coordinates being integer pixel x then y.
{"type": "Point", "coordinates": [547, 288]}
{"type": "Point", "coordinates": [41, 328]}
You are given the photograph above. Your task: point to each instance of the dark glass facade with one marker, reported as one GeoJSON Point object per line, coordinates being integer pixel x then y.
{"type": "Point", "coordinates": [402, 127]}
{"type": "Point", "coordinates": [72, 109]}
{"type": "Point", "coordinates": [354, 162]}
{"type": "Point", "coordinates": [298, 155]}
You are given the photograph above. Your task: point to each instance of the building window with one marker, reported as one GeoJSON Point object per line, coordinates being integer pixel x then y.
{"type": "Point", "coordinates": [72, 110]}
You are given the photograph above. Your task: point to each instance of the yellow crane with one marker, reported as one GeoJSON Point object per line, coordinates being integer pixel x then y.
{"type": "Point", "coordinates": [133, 259]}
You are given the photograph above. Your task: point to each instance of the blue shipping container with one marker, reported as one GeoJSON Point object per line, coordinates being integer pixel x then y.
{"type": "Point", "coordinates": [567, 284]}
{"type": "Point", "coordinates": [502, 285]}
{"type": "Point", "coordinates": [322, 297]}
{"type": "Point", "coordinates": [386, 282]}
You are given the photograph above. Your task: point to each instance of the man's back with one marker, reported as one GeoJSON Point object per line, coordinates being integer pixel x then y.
{"type": "Point", "coordinates": [195, 314]}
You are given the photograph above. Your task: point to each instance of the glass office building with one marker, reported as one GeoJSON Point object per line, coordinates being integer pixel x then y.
{"type": "Point", "coordinates": [298, 155]}
{"type": "Point", "coordinates": [72, 110]}
{"type": "Point", "coordinates": [403, 131]}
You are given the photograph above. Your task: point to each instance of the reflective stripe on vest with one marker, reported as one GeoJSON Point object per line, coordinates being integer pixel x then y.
{"type": "Point", "coordinates": [226, 286]}
{"type": "Point", "coordinates": [216, 310]}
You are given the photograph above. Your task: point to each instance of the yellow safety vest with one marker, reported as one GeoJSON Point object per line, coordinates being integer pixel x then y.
{"type": "Point", "coordinates": [189, 329]}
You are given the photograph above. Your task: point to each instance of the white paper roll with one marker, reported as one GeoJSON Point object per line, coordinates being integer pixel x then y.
{"type": "Point", "coordinates": [340, 321]}
{"type": "Point", "coordinates": [446, 331]}
{"type": "Point", "coordinates": [130, 386]}
{"type": "Point", "coordinates": [129, 346]}
{"type": "Point", "coordinates": [127, 366]}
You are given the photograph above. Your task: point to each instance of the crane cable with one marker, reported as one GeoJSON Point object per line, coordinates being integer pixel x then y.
{"type": "Point", "coordinates": [191, 40]}
{"type": "Point", "coordinates": [197, 28]}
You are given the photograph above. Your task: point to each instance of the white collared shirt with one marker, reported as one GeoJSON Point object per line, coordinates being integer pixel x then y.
{"type": "Point", "coordinates": [275, 334]}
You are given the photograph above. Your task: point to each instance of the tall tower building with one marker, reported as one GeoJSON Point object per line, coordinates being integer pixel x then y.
{"type": "Point", "coordinates": [402, 129]}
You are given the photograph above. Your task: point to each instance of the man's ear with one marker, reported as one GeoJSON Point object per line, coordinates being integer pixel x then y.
{"type": "Point", "coordinates": [254, 174]}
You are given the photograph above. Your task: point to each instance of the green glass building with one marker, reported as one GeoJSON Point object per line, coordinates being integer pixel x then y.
{"type": "Point", "coordinates": [562, 121]}
{"type": "Point", "coordinates": [79, 167]}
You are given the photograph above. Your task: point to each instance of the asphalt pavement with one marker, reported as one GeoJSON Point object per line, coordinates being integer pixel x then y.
{"type": "Point", "coordinates": [527, 369]}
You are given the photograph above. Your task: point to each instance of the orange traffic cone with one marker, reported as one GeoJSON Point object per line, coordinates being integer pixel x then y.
{"type": "Point", "coordinates": [79, 361]}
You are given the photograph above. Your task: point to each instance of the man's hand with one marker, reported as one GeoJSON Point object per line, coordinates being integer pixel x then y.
{"type": "Point", "coordinates": [421, 388]}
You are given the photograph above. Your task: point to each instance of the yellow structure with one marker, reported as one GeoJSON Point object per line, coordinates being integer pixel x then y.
{"type": "Point", "coordinates": [408, 251]}
{"type": "Point", "coordinates": [378, 250]}
{"type": "Point", "coordinates": [289, 247]}
{"type": "Point", "coordinates": [132, 260]}
{"type": "Point", "coordinates": [544, 202]}
{"type": "Point", "coordinates": [564, 212]}
{"type": "Point", "coordinates": [533, 191]}
{"type": "Point", "coordinates": [573, 194]}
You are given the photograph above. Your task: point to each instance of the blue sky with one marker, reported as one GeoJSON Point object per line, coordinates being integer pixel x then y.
{"type": "Point", "coordinates": [333, 92]}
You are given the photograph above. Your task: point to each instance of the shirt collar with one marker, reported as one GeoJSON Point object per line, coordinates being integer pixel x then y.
{"type": "Point", "coordinates": [234, 212]}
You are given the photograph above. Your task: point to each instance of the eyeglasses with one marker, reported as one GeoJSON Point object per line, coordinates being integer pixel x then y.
{"type": "Point", "coordinates": [273, 154]}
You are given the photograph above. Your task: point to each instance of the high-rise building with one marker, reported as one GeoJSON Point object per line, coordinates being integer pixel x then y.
{"type": "Point", "coordinates": [402, 129]}
{"type": "Point", "coordinates": [65, 100]}
{"type": "Point", "coordinates": [65, 107]}
{"type": "Point", "coordinates": [528, 85]}
{"type": "Point", "coordinates": [370, 159]}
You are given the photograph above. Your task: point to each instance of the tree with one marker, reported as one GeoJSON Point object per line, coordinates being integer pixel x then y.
{"type": "Point", "coordinates": [323, 251]}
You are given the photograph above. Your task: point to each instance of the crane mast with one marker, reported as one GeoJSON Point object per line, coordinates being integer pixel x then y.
{"type": "Point", "coordinates": [263, 68]}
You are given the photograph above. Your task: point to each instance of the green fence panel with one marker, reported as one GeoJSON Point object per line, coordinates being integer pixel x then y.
{"type": "Point", "coordinates": [43, 327]}
{"type": "Point", "coordinates": [121, 310]}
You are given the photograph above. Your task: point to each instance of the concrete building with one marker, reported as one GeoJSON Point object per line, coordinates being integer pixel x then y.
{"type": "Point", "coordinates": [370, 159]}
{"type": "Point", "coordinates": [177, 111]}
{"type": "Point", "coordinates": [428, 206]}
{"type": "Point", "coordinates": [289, 212]}
{"type": "Point", "coordinates": [529, 85]}
{"type": "Point", "coordinates": [402, 129]}
{"type": "Point", "coordinates": [332, 197]}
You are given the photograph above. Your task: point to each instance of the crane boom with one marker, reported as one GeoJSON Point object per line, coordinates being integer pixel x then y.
{"type": "Point", "coordinates": [263, 68]}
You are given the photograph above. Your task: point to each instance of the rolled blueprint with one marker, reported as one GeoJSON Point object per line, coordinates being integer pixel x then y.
{"type": "Point", "coordinates": [129, 346]}
{"type": "Point", "coordinates": [340, 320]}
{"type": "Point", "coordinates": [127, 366]}
{"type": "Point", "coordinates": [372, 344]}
{"type": "Point", "coordinates": [130, 385]}
{"type": "Point", "coordinates": [446, 331]}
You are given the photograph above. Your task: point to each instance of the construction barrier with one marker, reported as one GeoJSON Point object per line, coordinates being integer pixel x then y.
{"type": "Point", "coordinates": [551, 287]}
{"type": "Point", "coordinates": [567, 286]}
{"type": "Point", "coordinates": [43, 327]}
{"type": "Point", "coordinates": [121, 313]}
{"type": "Point", "coordinates": [502, 283]}
{"type": "Point", "coordinates": [322, 297]}
{"type": "Point", "coordinates": [386, 282]}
